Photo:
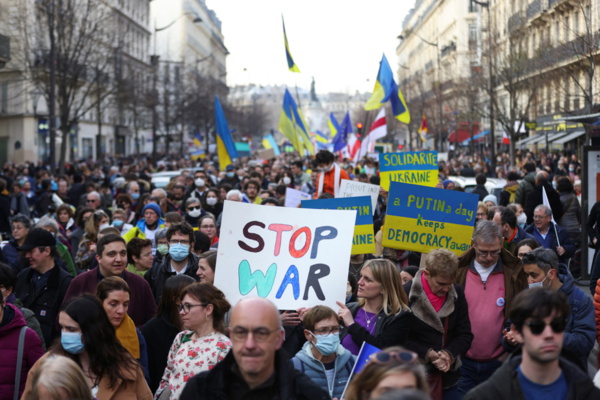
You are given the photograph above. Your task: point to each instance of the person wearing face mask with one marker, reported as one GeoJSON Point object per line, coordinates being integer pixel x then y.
{"type": "Point", "coordinates": [89, 339]}
{"type": "Point", "coordinates": [119, 218]}
{"type": "Point", "coordinates": [543, 270]}
{"type": "Point", "coordinates": [322, 358]}
{"type": "Point", "coordinates": [211, 202]}
{"type": "Point", "coordinates": [133, 190]}
{"type": "Point", "coordinates": [331, 175]}
{"type": "Point", "coordinates": [231, 178]}
{"type": "Point", "coordinates": [201, 185]}
{"type": "Point", "coordinates": [179, 260]}
{"type": "Point", "coordinates": [162, 246]}
{"type": "Point", "coordinates": [193, 212]}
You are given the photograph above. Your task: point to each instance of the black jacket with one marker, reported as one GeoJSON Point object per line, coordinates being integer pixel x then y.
{"type": "Point", "coordinates": [481, 191]}
{"type": "Point", "coordinates": [504, 383]}
{"type": "Point", "coordinates": [535, 198]}
{"type": "Point", "coordinates": [427, 326]}
{"type": "Point", "coordinates": [222, 381]}
{"type": "Point", "coordinates": [48, 299]}
{"type": "Point", "coordinates": [159, 273]}
{"type": "Point", "coordinates": [390, 330]}
{"type": "Point", "coordinates": [159, 334]}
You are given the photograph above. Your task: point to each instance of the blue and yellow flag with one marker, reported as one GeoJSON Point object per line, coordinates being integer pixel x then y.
{"type": "Point", "coordinates": [321, 137]}
{"type": "Point", "coordinates": [269, 142]}
{"type": "Point", "coordinates": [333, 125]}
{"type": "Point", "coordinates": [290, 61]}
{"type": "Point", "coordinates": [341, 139]}
{"type": "Point", "coordinates": [225, 145]}
{"type": "Point", "coordinates": [197, 140]}
{"type": "Point", "coordinates": [386, 89]}
{"type": "Point", "coordinates": [293, 126]}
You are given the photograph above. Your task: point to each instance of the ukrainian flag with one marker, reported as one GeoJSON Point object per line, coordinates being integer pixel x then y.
{"type": "Point", "coordinates": [197, 140]}
{"type": "Point", "coordinates": [386, 89]}
{"type": "Point", "coordinates": [290, 61]}
{"type": "Point", "coordinates": [269, 142]}
{"type": "Point", "coordinates": [293, 126]}
{"type": "Point", "coordinates": [321, 137]}
{"type": "Point", "coordinates": [225, 146]}
{"type": "Point", "coordinates": [333, 125]}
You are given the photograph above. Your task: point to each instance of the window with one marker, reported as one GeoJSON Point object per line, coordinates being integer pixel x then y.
{"type": "Point", "coordinates": [4, 98]}
{"type": "Point", "coordinates": [576, 23]}
{"type": "Point", "coordinates": [473, 34]}
{"type": "Point", "coordinates": [567, 36]}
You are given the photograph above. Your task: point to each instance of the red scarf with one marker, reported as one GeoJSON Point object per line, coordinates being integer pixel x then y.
{"type": "Point", "coordinates": [436, 301]}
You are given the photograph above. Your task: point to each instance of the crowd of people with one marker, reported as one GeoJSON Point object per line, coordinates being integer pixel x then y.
{"type": "Point", "coordinates": [107, 288]}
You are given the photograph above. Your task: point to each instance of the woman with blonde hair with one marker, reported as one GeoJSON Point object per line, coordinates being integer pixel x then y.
{"type": "Point", "coordinates": [392, 368]}
{"type": "Point", "coordinates": [202, 344]}
{"type": "Point", "coordinates": [59, 378]}
{"type": "Point", "coordinates": [380, 316]}
{"type": "Point", "coordinates": [87, 247]}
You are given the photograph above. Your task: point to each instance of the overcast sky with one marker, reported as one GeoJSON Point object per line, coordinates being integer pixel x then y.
{"type": "Point", "coordinates": [339, 43]}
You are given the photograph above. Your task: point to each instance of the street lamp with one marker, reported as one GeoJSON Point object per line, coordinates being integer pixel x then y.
{"type": "Point", "coordinates": [439, 100]}
{"type": "Point", "coordinates": [486, 4]}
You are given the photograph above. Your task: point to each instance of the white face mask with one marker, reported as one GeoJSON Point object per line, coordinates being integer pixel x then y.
{"type": "Point", "coordinates": [286, 180]}
{"type": "Point", "coordinates": [199, 182]}
{"type": "Point", "coordinates": [194, 213]}
{"type": "Point", "coordinates": [522, 219]}
{"type": "Point", "coordinates": [102, 227]}
{"type": "Point", "coordinates": [328, 168]}
{"type": "Point", "coordinates": [211, 201]}
{"type": "Point", "coordinates": [538, 284]}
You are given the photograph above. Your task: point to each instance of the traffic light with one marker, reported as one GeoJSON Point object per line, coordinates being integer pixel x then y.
{"type": "Point", "coordinates": [359, 128]}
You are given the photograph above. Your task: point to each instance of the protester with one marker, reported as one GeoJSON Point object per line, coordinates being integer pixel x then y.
{"type": "Point", "coordinates": [331, 175]}
{"type": "Point", "coordinates": [527, 185]}
{"type": "Point", "coordinates": [255, 368]}
{"type": "Point", "coordinates": [208, 226]}
{"type": "Point", "coordinates": [407, 274]}
{"type": "Point", "coordinates": [62, 244]}
{"type": "Point", "coordinates": [550, 235]}
{"type": "Point", "coordinates": [202, 344]}
{"type": "Point", "coordinates": [440, 331]}
{"type": "Point", "coordinates": [322, 357]}
{"type": "Point", "coordinates": [119, 221]}
{"type": "Point", "coordinates": [392, 368]}
{"type": "Point", "coordinates": [86, 251]}
{"type": "Point", "coordinates": [147, 226]}
{"type": "Point", "coordinates": [207, 263]}
{"type": "Point", "coordinates": [539, 318]}
{"type": "Point", "coordinates": [59, 378]}
{"type": "Point", "coordinates": [381, 315]}
{"type": "Point", "coordinates": [511, 232]}
{"type": "Point", "coordinates": [536, 198]}
{"type": "Point", "coordinates": [20, 226]}
{"type": "Point", "coordinates": [571, 219]}
{"type": "Point", "coordinates": [193, 212]}
{"type": "Point", "coordinates": [509, 191]}
{"type": "Point", "coordinates": [482, 212]}
{"type": "Point", "coordinates": [212, 203]}
{"type": "Point", "coordinates": [89, 339]}
{"type": "Point", "coordinates": [480, 189]}
{"type": "Point", "coordinates": [524, 247]}
{"type": "Point", "coordinates": [139, 256]}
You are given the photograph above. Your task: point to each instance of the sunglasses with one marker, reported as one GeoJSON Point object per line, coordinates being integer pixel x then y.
{"type": "Point", "coordinates": [402, 357]}
{"type": "Point", "coordinates": [193, 208]}
{"type": "Point", "coordinates": [558, 325]}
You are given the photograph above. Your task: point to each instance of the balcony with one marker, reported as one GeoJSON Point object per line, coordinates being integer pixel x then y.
{"type": "Point", "coordinates": [446, 50]}
{"type": "Point", "coordinates": [534, 8]}
{"type": "Point", "coordinates": [516, 22]}
{"type": "Point", "coordinates": [4, 50]}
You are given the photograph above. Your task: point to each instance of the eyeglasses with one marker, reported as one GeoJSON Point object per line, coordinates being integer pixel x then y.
{"type": "Point", "coordinates": [240, 333]}
{"type": "Point", "coordinates": [539, 217]}
{"type": "Point", "coordinates": [558, 325]}
{"type": "Point", "coordinates": [207, 226]}
{"type": "Point", "coordinates": [402, 357]}
{"type": "Point", "coordinates": [92, 200]}
{"type": "Point", "coordinates": [187, 307]}
{"type": "Point", "coordinates": [492, 253]}
{"type": "Point", "coordinates": [481, 214]}
{"type": "Point", "coordinates": [173, 241]}
{"type": "Point", "coordinates": [193, 208]}
{"type": "Point", "coordinates": [327, 330]}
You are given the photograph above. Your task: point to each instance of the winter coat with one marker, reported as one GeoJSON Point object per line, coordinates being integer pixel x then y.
{"type": "Point", "coordinates": [526, 186]}
{"type": "Point", "coordinates": [571, 219]}
{"type": "Point", "coordinates": [305, 362]}
{"type": "Point", "coordinates": [390, 329]}
{"type": "Point", "coordinates": [504, 383]}
{"type": "Point", "coordinates": [218, 382]}
{"type": "Point", "coordinates": [140, 230]}
{"type": "Point", "coordinates": [509, 193]}
{"type": "Point", "coordinates": [142, 306]}
{"type": "Point", "coordinates": [159, 334]}
{"type": "Point", "coordinates": [10, 330]}
{"type": "Point", "coordinates": [448, 329]}
{"type": "Point", "coordinates": [11, 255]}
{"type": "Point", "coordinates": [536, 197]}
{"type": "Point", "coordinates": [563, 237]}
{"type": "Point", "coordinates": [481, 191]}
{"type": "Point", "coordinates": [581, 327]}
{"type": "Point", "coordinates": [19, 205]}
{"type": "Point", "coordinates": [135, 387]}
{"type": "Point", "coordinates": [46, 301]}
{"type": "Point", "coordinates": [512, 245]}
{"type": "Point", "coordinates": [159, 273]}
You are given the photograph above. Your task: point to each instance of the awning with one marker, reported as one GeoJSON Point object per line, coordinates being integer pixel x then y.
{"type": "Point", "coordinates": [526, 140]}
{"type": "Point", "coordinates": [584, 119]}
{"type": "Point", "coordinates": [569, 137]}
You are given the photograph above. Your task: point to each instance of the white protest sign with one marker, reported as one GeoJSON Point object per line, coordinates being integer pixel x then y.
{"type": "Point", "coordinates": [294, 197]}
{"type": "Point", "coordinates": [350, 188]}
{"type": "Point", "coordinates": [293, 257]}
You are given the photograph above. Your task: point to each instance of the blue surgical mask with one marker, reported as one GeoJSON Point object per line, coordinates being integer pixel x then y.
{"type": "Point", "coordinates": [71, 342]}
{"type": "Point", "coordinates": [179, 251]}
{"type": "Point", "coordinates": [327, 344]}
{"type": "Point", "coordinates": [538, 284]}
{"type": "Point", "coordinates": [230, 174]}
{"type": "Point", "coordinates": [135, 196]}
{"type": "Point", "coordinates": [54, 186]}
{"type": "Point", "coordinates": [117, 223]}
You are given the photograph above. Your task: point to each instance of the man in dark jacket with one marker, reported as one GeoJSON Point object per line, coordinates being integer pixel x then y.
{"type": "Point", "coordinates": [539, 316]}
{"type": "Point", "coordinates": [111, 255]}
{"type": "Point", "coordinates": [179, 259]}
{"type": "Point", "coordinates": [536, 197]}
{"type": "Point", "coordinates": [480, 189]}
{"type": "Point", "coordinates": [506, 220]}
{"type": "Point", "coordinates": [4, 209]}
{"type": "Point", "coordinates": [440, 330]}
{"type": "Point", "coordinates": [527, 184]}
{"type": "Point", "coordinates": [550, 235]}
{"type": "Point", "coordinates": [491, 277]}
{"type": "Point", "coordinates": [43, 286]}
{"type": "Point", "coordinates": [255, 368]}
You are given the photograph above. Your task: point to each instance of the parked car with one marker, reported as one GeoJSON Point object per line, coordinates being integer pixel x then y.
{"type": "Point", "coordinates": [162, 179]}
{"type": "Point", "coordinates": [493, 185]}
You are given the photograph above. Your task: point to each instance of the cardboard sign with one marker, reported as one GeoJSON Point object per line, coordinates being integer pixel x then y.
{"type": "Point", "coordinates": [356, 189]}
{"type": "Point", "coordinates": [293, 257]}
{"type": "Point", "coordinates": [414, 167]}
{"type": "Point", "coordinates": [293, 197]}
{"type": "Point", "coordinates": [266, 154]}
{"type": "Point", "coordinates": [364, 238]}
{"type": "Point", "coordinates": [421, 218]}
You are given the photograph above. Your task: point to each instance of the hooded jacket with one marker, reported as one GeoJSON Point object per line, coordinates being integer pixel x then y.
{"type": "Point", "coordinates": [9, 341]}
{"type": "Point", "coordinates": [504, 383]}
{"type": "Point", "coordinates": [305, 362]}
{"type": "Point", "coordinates": [526, 186]}
{"type": "Point", "coordinates": [159, 273]}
